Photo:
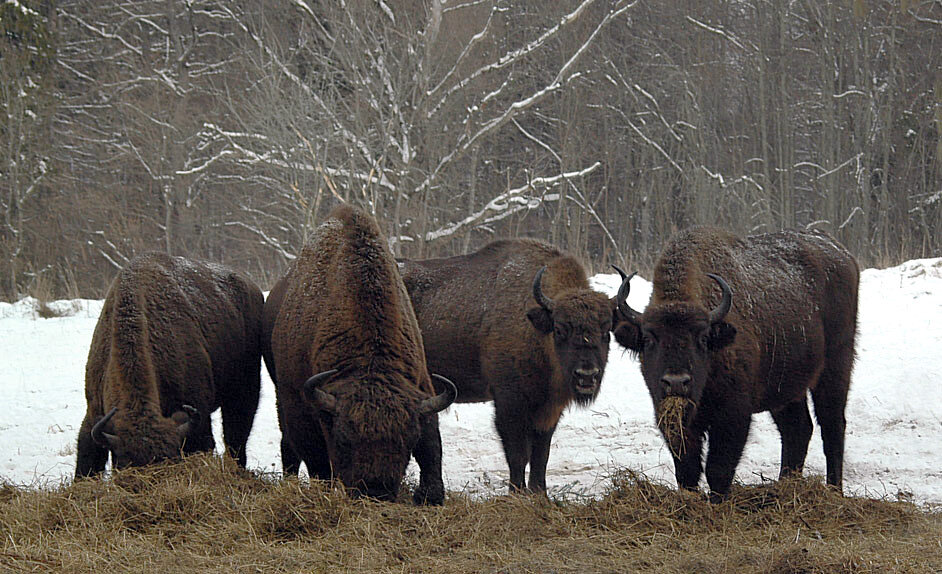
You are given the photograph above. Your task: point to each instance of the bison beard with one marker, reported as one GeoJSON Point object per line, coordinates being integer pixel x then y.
{"type": "Point", "coordinates": [791, 330]}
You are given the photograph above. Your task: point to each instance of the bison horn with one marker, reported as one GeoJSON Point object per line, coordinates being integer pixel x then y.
{"type": "Point", "coordinates": [441, 401]}
{"type": "Point", "coordinates": [192, 421]}
{"type": "Point", "coordinates": [720, 311]}
{"type": "Point", "coordinates": [98, 431]}
{"type": "Point", "coordinates": [325, 401]}
{"type": "Point", "coordinates": [621, 298]}
{"type": "Point", "coordinates": [542, 299]}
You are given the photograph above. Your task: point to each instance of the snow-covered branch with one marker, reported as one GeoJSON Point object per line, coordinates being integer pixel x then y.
{"type": "Point", "coordinates": [500, 204]}
{"type": "Point", "coordinates": [561, 78]}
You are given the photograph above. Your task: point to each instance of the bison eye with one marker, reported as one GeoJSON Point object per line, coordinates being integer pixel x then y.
{"type": "Point", "coordinates": [649, 339]}
{"type": "Point", "coordinates": [561, 331]}
{"type": "Point", "coordinates": [703, 341]}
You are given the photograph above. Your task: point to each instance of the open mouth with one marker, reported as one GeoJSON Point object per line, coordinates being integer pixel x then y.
{"type": "Point", "coordinates": [587, 386]}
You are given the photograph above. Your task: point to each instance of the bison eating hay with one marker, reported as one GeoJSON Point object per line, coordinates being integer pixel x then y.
{"type": "Point", "coordinates": [176, 339]}
{"type": "Point", "coordinates": [719, 359]}
{"type": "Point", "coordinates": [516, 323]}
{"type": "Point", "coordinates": [354, 395]}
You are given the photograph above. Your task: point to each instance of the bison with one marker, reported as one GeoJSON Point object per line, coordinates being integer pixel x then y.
{"type": "Point", "coordinates": [789, 329]}
{"type": "Point", "coordinates": [354, 395]}
{"type": "Point", "coordinates": [175, 340]}
{"type": "Point", "coordinates": [516, 323]}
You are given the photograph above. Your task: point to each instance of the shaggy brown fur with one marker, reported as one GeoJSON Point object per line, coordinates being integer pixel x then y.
{"type": "Point", "coordinates": [484, 330]}
{"type": "Point", "coordinates": [172, 332]}
{"type": "Point", "coordinates": [342, 305]}
{"type": "Point", "coordinates": [791, 329]}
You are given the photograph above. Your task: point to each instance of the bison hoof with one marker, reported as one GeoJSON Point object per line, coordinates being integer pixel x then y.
{"type": "Point", "coordinates": [433, 496]}
{"type": "Point", "coordinates": [718, 498]}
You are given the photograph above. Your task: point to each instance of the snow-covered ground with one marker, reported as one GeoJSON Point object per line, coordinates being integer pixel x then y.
{"type": "Point", "coordinates": [894, 415]}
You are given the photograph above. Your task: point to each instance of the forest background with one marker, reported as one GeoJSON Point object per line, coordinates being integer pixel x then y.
{"type": "Point", "coordinates": [225, 130]}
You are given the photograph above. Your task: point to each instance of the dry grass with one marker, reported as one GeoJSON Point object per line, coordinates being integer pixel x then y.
{"type": "Point", "coordinates": [670, 419]}
{"type": "Point", "coordinates": [205, 515]}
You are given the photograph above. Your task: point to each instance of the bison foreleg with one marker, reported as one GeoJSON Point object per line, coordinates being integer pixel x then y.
{"type": "Point", "coordinates": [428, 455]}
{"type": "Point", "coordinates": [795, 427]}
{"type": "Point", "coordinates": [90, 458]}
{"type": "Point", "coordinates": [513, 429]}
{"type": "Point", "coordinates": [689, 467]}
{"type": "Point", "coordinates": [539, 455]}
{"type": "Point", "coordinates": [727, 441]}
{"type": "Point", "coordinates": [290, 461]}
{"type": "Point", "coordinates": [237, 418]}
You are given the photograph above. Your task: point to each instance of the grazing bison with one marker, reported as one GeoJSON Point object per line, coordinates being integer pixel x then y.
{"type": "Point", "coordinates": [175, 340]}
{"type": "Point", "coordinates": [353, 391]}
{"type": "Point", "coordinates": [516, 323]}
{"type": "Point", "coordinates": [789, 329]}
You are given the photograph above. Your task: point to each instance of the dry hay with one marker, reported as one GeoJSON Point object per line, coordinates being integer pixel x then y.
{"type": "Point", "coordinates": [206, 515]}
{"type": "Point", "coordinates": [670, 419]}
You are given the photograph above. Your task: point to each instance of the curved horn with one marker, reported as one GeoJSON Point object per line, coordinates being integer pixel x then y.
{"type": "Point", "coordinates": [325, 401]}
{"type": "Point", "coordinates": [621, 298]}
{"type": "Point", "coordinates": [192, 422]}
{"type": "Point", "coordinates": [442, 401]}
{"type": "Point", "coordinates": [720, 311]}
{"type": "Point", "coordinates": [542, 299]}
{"type": "Point", "coordinates": [98, 431]}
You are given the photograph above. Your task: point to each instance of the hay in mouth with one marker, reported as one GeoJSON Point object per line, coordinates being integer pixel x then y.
{"type": "Point", "coordinates": [670, 419]}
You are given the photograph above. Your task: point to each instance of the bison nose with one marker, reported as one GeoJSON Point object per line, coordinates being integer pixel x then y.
{"type": "Point", "coordinates": [586, 372]}
{"type": "Point", "coordinates": [676, 384]}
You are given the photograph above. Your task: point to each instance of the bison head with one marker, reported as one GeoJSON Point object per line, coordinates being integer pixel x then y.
{"type": "Point", "coordinates": [675, 341]}
{"type": "Point", "coordinates": [371, 430]}
{"type": "Point", "coordinates": [145, 440]}
{"type": "Point", "coordinates": [580, 322]}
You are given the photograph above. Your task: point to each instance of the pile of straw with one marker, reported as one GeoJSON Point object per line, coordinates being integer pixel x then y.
{"type": "Point", "coordinates": [205, 515]}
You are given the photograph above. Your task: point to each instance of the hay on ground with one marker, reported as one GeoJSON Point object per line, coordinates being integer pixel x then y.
{"type": "Point", "coordinates": [205, 515]}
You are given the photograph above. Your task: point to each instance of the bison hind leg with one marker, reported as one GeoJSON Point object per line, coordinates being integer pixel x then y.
{"type": "Point", "coordinates": [795, 427]}
{"type": "Point", "coordinates": [830, 399]}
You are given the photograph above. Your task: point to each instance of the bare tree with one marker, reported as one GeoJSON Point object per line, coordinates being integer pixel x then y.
{"type": "Point", "coordinates": [26, 96]}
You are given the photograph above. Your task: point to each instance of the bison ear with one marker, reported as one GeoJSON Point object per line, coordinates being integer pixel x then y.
{"type": "Point", "coordinates": [541, 318]}
{"type": "Point", "coordinates": [628, 336]}
{"type": "Point", "coordinates": [721, 335]}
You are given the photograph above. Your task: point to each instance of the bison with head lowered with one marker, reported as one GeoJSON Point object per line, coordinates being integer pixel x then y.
{"type": "Point", "coordinates": [516, 323]}
{"type": "Point", "coordinates": [737, 326]}
{"type": "Point", "coordinates": [355, 398]}
{"type": "Point", "coordinates": [175, 340]}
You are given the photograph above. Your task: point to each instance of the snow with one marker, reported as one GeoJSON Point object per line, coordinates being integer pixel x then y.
{"type": "Point", "coordinates": [894, 416]}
